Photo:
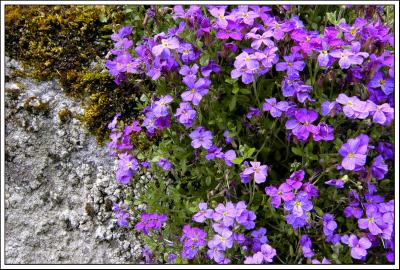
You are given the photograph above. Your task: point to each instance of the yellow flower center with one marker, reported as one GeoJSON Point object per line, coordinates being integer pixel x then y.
{"type": "Point", "coordinates": [308, 39]}
{"type": "Point", "coordinates": [306, 123]}
{"type": "Point", "coordinates": [371, 219]}
{"type": "Point", "coordinates": [225, 214]}
{"type": "Point", "coordinates": [349, 103]}
{"type": "Point", "coordinates": [279, 192]}
{"type": "Point", "coordinates": [290, 64]}
{"type": "Point", "coordinates": [324, 52]}
{"type": "Point", "coordinates": [256, 170]}
{"type": "Point", "coordinates": [382, 82]}
{"type": "Point", "coordinates": [243, 70]}
{"type": "Point", "coordinates": [277, 25]}
{"type": "Point", "coordinates": [297, 203]}
{"type": "Point", "coordinates": [247, 58]}
{"type": "Point", "coordinates": [195, 239]}
{"type": "Point", "coordinates": [221, 16]}
{"type": "Point", "coordinates": [162, 103]}
{"type": "Point", "coordinates": [223, 239]}
{"type": "Point", "coordinates": [350, 155]}
{"type": "Point", "coordinates": [165, 44]}
{"type": "Point", "coordinates": [353, 31]}
{"type": "Point", "coordinates": [186, 51]}
{"type": "Point", "coordinates": [193, 90]}
{"type": "Point", "coordinates": [129, 164]}
{"type": "Point", "coordinates": [245, 14]}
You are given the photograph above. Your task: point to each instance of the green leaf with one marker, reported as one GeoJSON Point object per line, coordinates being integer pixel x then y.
{"type": "Point", "coordinates": [331, 16]}
{"type": "Point", "coordinates": [204, 59]}
{"type": "Point", "coordinates": [238, 160]}
{"type": "Point", "coordinates": [232, 103]}
{"type": "Point", "coordinates": [250, 152]}
{"type": "Point", "coordinates": [319, 211]}
{"type": "Point", "coordinates": [297, 151]}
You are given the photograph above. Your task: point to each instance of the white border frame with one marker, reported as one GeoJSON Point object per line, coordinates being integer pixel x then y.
{"type": "Point", "coordinates": [99, 266]}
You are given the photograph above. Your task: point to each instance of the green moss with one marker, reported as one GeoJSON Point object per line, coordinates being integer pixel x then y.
{"type": "Point", "coordinates": [61, 42]}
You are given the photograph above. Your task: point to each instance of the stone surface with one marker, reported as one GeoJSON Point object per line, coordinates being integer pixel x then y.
{"type": "Point", "coordinates": [58, 183]}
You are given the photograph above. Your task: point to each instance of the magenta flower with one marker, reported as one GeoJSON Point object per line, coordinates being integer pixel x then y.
{"type": "Point", "coordinates": [302, 126]}
{"type": "Point", "coordinates": [284, 192]}
{"type": "Point", "coordinates": [201, 138]}
{"type": "Point", "coordinates": [259, 171]}
{"type": "Point", "coordinates": [354, 152]}
{"type": "Point", "coordinates": [358, 246]}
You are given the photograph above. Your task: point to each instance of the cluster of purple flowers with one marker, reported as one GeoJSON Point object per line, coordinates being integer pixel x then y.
{"type": "Point", "coordinates": [226, 221]}
{"type": "Point", "coordinates": [150, 221]}
{"type": "Point", "coordinates": [121, 213]}
{"type": "Point", "coordinates": [193, 239]}
{"type": "Point", "coordinates": [342, 46]}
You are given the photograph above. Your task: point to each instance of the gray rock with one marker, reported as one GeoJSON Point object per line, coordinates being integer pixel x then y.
{"type": "Point", "coordinates": [57, 183]}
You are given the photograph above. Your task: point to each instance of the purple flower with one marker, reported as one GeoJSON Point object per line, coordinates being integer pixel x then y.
{"type": "Point", "coordinates": [165, 164]}
{"type": "Point", "coordinates": [147, 254]}
{"type": "Point", "coordinates": [259, 171]}
{"type": "Point", "coordinates": [246, 74]}
{"type": "Point", "coordinates": [185, 114]}
{"type": "Point", "coordinates": [215, 252]}
{"type": "Point", "coordinates": [378, 81]}
{"type": "Point", "coordinates": [253, 112]}
{"type": "Point", "coordinates": [275, 109]}
{"type": "Point", "coordinates": [219, 13]}
{"type": "Point", "coordinates": [302, 125]}
{"type": "Point", "coordinates": [300, 205]}
{"type": "Point", "coordinates": [323, 57]}
{"type": "Point", "coordinates": [228, 138]}
{"type": "Point", "coordinates": [121, 214]}
{"type": "Point", "coordinates": [306, 246]}
{"type": "Point", "coordinates": [329, 224]}
{"type": "Point", "coordinates": [196, 89]}
{"type": "Point", "coordinates": [232, 31]}
{"type": "Point", "coordinates": [114, 122]}
{"type": "Point", "coordinates": [189, 71]}
{"type": "Point", "coordinates": [354, 152]}
{"type": "Point", "coordinates": [324, 261]}
{"type": "Point", "coordinates": [292, 65]}
{"type": "Point", "coordinates": [245, 217]}
{"type": "Point", "coordinates": [161, 106]}
{"type": "Point", "coordinates": [203, 214]}
{"type": "Point", "coordinates": [386, 149]}
{"type": "Point", "coordinates": [353, 107]}
{"type": "Point", "coordinates": [358, 246]}
{"type": "Point", "coordinates": [164, 48]}
{"type": "Point", "coordinates": [328, 107]}
{"type": "Point", "coordinates": [225, 213]}
{"type": "Point", "coordinates": [373, 222]}
{"type": "Point", "coordinates": [284, 192]}
{"type": "Point", "coordinates": [348, 57]}
{"type": "Point", "coordinates": [223, 241]}
{"type": "Point", "coordinates": [201, 138]}
{"type": "Point", "coordinates": [193, 239]}
{"type": "Point", "coordinates": [259, 238]}
{"type": "Point", "coordinates": [229, 156]}
{"type": "Point", "coordinates": [379, 168]}
{"type": "Point", "coordinates": [188, 54]}
{"type": "Point", "coordinates": [323, 132]}
{"type": "Point", "coordinates": [259, 40]}
{"type": "Point", "coordinates": [214, 152]}
{"type": "Point", "coordinates": [338, 183]}
{"type": "Point", "coordinates": [127, 166]}
{"type": "Point", "coordinates": [268, 252]}
{"type": "Point", "coordinates": [211, 67]}
{"type": "Point", "coordinates": [382, 114]}
{"type": "Point", "coordinates": [150, 221]}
